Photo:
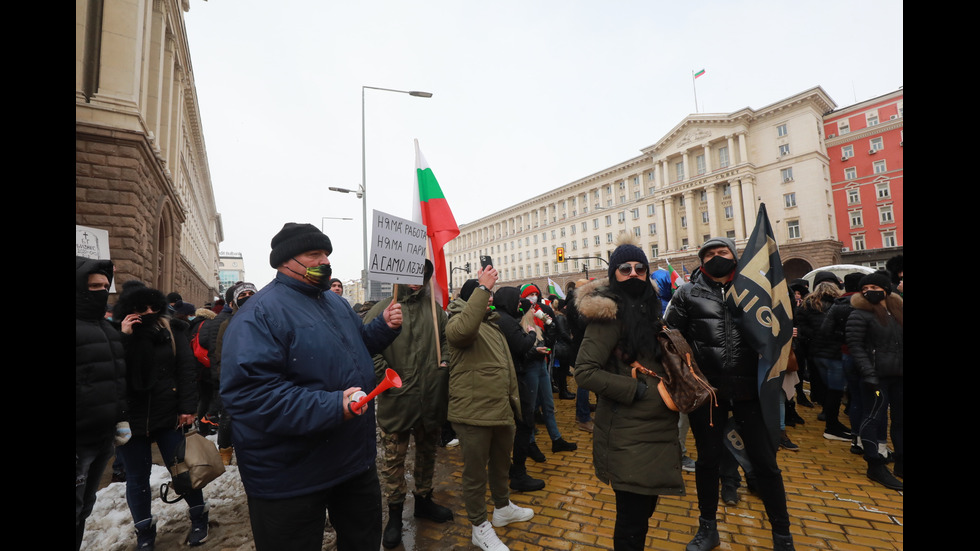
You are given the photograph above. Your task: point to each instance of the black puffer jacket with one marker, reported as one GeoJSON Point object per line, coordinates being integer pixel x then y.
{"type": "Point", "coordinates": [875, 338]}
{"type": "Point", "coordinates": [725, 357]}
{"type": "Point", "coordinates": [809, 321]}
{"type": "Point", "coordinates": [161, 369]}
{"type": "Point", "coordinates": [100, 368]}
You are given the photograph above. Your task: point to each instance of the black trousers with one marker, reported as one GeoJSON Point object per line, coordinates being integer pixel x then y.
{"type": "Point", "coordinates": [297, 524]}
{"type": "Point", "coordinates": [759, 447]}
{"type": "Point", "coordinates": [633, 512]}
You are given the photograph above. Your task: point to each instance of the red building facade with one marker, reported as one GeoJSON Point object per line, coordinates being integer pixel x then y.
{"type": "Point", "coordinates": [866, 150]}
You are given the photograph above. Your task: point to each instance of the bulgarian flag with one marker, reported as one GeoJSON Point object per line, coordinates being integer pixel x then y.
{"type": "Point", "coordinates": [675, 278]}
{"type": "Point", "coordinates": [432, 210]}
{"type": "Point", "coordinates": [555, 289]}
{"type": "Point", "coordinates": [699, 73]}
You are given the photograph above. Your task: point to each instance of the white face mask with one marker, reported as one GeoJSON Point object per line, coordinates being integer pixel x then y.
{"type": "Point", "coordinates": [533, 299]}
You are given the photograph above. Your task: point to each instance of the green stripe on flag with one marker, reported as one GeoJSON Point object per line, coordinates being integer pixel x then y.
{"type": "Point", "coordinates": [428, 185]}
{"type": "Point", "coordinates": [699, 73]}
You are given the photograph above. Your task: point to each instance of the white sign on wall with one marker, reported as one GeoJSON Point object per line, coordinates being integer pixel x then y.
{"type": "Point", "coordinates": [93, 243]}
{"type": "Point", "coordinates": [397, 250]}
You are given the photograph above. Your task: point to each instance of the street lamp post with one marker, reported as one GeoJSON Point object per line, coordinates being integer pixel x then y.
{"type": "Point", "coordinates": [331, 217]}
{"type": "Point", "coordinates": [363, 187]}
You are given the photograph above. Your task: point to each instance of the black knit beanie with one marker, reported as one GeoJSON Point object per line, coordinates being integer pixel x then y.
{"type": "Point", "coordinates": [467, 289]}
{"type": "Point", "coordinates": [880, 278]}
{"type": "Point", "coordinates": [294, 239]}
{"type": "Point", "coordinates": [626, 253]}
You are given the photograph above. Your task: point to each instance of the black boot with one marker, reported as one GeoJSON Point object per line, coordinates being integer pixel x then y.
{"type": "Point", "coordinates": [392, 535]}
{"type": "Point", "coordinates": [560, 445]}
{"type": "Point", "coordinates": [146, 534]}
{"type": "Point", "coordinates": [426, 508]}
{"type": "Point", "coordinates": [782, 542]}
{"type": "Point", "coordinates": [879, 472]}
{"type": "Point", "coordinates": [525, 483]}
{"type": "Point", "coordinates": [199, 526]}
{"type": "Point", "coordinates": [707, 537]}
{"type": "Point", "coordinates": [834, 429]}
{"type": "Point", "coordinates": [534, 452]}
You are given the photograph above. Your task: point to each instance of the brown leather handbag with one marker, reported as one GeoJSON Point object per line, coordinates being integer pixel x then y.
{"type": "Point", "coordinates": [683, 387]}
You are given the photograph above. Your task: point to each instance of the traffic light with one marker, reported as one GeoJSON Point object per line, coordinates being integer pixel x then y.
{"type": "Point", "coordinates": [467, 267]}
{"type": "Point", "coordinates": [560, 254]}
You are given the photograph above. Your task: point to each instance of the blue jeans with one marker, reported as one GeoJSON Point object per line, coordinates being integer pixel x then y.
{"type": "Point", "coordinates": [138, 460]}
{"type": "Point", "coordinates": [875, 423]}
{"type": "Point", "coordinates": [582, 412]}
{"type": "Point", "coordinates": [832, 372]}
{"type": "Point", "coordinates": [540, 383]}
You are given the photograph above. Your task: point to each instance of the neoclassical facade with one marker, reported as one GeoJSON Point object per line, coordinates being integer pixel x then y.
{"type": "Point", "coordinates": [706, 177]}
{"type": "Point", "coordinates": [141, 167]}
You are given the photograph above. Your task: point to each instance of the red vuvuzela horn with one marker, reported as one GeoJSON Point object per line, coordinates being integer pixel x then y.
{"type": "Point", "coordinates": [391, 380]}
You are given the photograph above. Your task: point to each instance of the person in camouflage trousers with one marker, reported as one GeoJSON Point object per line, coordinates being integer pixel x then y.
{"type": "Point", "coordinates": [418, 407]}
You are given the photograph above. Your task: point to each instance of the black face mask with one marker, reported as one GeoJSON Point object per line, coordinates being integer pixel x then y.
{"type": "Point", "coordinates": [318, 276]}
{"type": "Point", "coordinates": [242, 300]}
{"type": "Point", "coordinates": [633, 287]}
{"type": "Point", "coordinates": [719, 266]}
{"type": "Point", "coordinates": [874, 297]}
{"type": "Point", "coordinates": [90, 305]}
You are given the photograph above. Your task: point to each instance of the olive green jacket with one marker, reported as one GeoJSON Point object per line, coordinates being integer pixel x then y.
{"type": "Point", "coordinates": [482, 381]}
{"type": "Point", "coordinates": [424, 394]}
{"type": "Point", "coordinates": [635, 439]}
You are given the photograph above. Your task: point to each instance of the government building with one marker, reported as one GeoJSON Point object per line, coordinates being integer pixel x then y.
{"type": "Point", "coordinates": [706, 177]}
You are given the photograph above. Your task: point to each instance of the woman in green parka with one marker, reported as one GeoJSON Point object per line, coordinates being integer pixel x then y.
{"type": "Point", "coordinates": [635, 445]}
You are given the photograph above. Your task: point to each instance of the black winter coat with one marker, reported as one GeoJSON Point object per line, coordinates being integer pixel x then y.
{"type": "Point", "coordinates": [519, 341]}
{"type": "Point", "coordinates": [878, 348]}
{"type": "Point", "coordinates": [725, 357]}
{"type": "Point", "coordinates": [100, 381]}
{"type": "Point", "coordinates": [809, 322]}
{"type": "Point", "coordinates": [161, 376]}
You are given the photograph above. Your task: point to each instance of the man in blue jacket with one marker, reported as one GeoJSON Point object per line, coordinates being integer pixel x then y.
{"type": "Point", "coordinates": [292, 357]}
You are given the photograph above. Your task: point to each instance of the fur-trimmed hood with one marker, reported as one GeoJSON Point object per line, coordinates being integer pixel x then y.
{"type": "Point", "coordinates": [893, 302]}
{"type": "Point", "coordinates": [595, 301]}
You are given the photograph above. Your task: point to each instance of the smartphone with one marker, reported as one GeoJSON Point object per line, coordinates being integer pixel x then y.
{"type": "Point", "coordinates": [485, 261]}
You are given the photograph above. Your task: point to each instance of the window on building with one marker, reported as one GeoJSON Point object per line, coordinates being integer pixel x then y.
{"type": "Point", "coordinates": [597, 241]}
{"type": "Point", "coordinates": [585, 226]}
{"type": "Point", "coordinates": [726, 190]}
{"type": "Point", "coordinates": [679, 171]}
{"type": "Point", "coordinates": [787, 174]}
{"type": "Point", "coordinates": [857, 220]}
{"type": "Point", "coordinates": [793, 229]}
{"type": "Point", "coordinates": [843, 127]}
{"type": "Point", "coordinates": [702, 166]}
{"type": "Point", "coordinates": [877, 144]}
{"type": "Point", "coordinates": [680, 200]}
{"type": "Point", "coordinates": [883, 190]}
{"type": "Point", "coordinates": [888, 239]}
{"type": "Point", "coordinates": [703, 195]}
{"type": "Point", "coordinates": [609, 238]}
{"type": "Point", "coordinates": [723, 157]}
{"type": "Point", "coordinates": [857, 242]}
{"type": "Point", "coordinates": [585, 243]}
{"type": "Point", "coordinates": [873, 118]}
{"type": "Point", "coordinates": [635, 213]}
{"type": "Point", "coordinates": [880, 167]}
{"type": "Point", "coordinates": [850, 173]}
{"type": "Point", "coordinates": [621, 217]}
{"type": "Point", "coordinates": [653, 229]}
{"type": "Point", "coordinates": [636, 231]}
{"type": "Point", "coordinates": [654, 251]}
{"type": "Point", "coordinates": [608, 219]}
{"type": "Point", "coordinates": [847, 151]}
{"type": "Point", "coordinates": [885, 215]}
{"type": "Point", "coordinates": [781, 130]}
{"type": "Point", "coordinates": [704, 217]}
{"type": "Point", "coordinates": [608, 202]}
{"type": "Point", "coordinates": [595, 223]}
{"type": "Point", "coordinates": [651, 210]}
{"type": "Point", "coordinates": [637, 194]}
{"type": "Point", "coordinates": [683, 221]}
{"type": "Point", "coordinates": [729, 212]}
{"type": "Point", "coordinates": [784, 150]}
{"type": "Point", "coordinates": [789, 199]}
{"type": "Point", "coordinates": [853, 196]}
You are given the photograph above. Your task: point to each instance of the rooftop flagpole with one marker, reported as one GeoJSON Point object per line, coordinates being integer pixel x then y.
{"type": "Point", "coordinates": [694, 77]}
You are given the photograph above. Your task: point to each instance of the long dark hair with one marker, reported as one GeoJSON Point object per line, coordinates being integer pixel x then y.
{"type": "Point", "coordinates": [641, 320]}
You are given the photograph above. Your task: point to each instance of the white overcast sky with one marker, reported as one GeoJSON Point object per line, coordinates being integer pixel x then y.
{"type": "Point", "coordinates": [528, 95]}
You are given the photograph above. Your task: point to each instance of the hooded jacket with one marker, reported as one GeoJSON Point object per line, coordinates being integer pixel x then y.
{"type": "Point", "coordinates": [724, 355]}
{"type": "Point", "coordinates": [519, 342]}
{"type": "Point", "coordinates": [424, 394]}
{"type": "Point", "coordinates": [288, 355]}
{"type": "Point", "coordinates": [878, 348]}
{"type": "Point", "coordinates": [100, 366]}
{"type": "Point", "coordinates": [635, 445]}
{"type": "Point", "coordinates": [482, 381]}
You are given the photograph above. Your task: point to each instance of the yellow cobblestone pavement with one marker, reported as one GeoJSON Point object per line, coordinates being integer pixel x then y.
{"type": "Point", "coordinates": [832, 504]}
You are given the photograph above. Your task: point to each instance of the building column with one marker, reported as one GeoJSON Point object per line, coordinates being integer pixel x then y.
{"type": "Point", "coordinates": [670, 226]}
{"type": "Point", "coordinates": [742, 148]}
{"type": "Point", "coordinates": [713, 222]}
{"type": "Point", "coordinates": [689, 213]}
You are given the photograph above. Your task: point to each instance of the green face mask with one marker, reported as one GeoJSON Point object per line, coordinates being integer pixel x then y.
{"type": "Point", "coordinates": [318, 275]}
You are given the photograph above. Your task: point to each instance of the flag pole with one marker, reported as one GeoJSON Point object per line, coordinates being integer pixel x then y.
{"type": "Point", "coordinates": [432, 300]}
{"type": "Point", "coordinates": [694, 83]}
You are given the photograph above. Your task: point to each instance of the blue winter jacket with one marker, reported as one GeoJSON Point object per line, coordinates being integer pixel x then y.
{"type": "Point", "coordinates": [287, 357]}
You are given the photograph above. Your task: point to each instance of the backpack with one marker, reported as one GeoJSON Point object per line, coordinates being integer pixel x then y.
{"type": "Point", "coordinates": [200, 352]}
{"type": "Point", "coordinates": [683, 387]}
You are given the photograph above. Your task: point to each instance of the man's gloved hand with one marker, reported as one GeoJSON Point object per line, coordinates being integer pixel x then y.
{"type": "Point", "coordinates": [123, 433]}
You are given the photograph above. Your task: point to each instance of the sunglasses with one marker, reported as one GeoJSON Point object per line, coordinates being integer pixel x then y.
{"type": "Point", "coordinates": [626, 269]}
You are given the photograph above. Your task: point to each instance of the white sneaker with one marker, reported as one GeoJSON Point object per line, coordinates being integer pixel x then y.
{"type": "Point", "coordinates": [502, 516]}
{"type": "Point", "coordinates": [452, 443]}
{"type": "Point", "coordinates": [485, 538]}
